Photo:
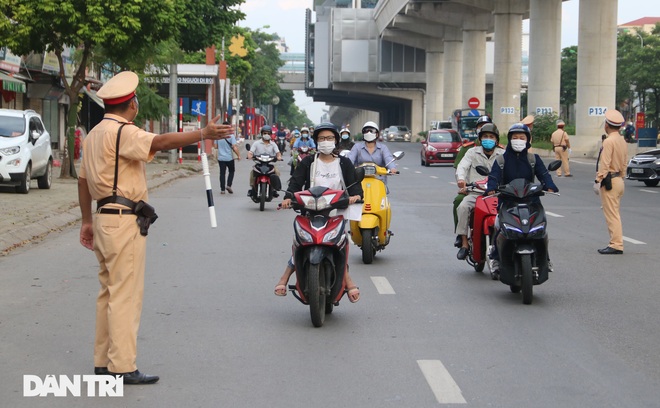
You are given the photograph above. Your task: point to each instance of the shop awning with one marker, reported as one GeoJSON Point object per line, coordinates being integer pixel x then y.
{"type": "Point", "coordinates": [92, 95]}
{"type": "Point", "coordinates": [12, 84]}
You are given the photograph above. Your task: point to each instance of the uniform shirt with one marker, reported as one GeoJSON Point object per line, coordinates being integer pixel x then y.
{"type": "Point", "coordinates": [259, 148]}
{"type": "Point", "coordinates": [225, 149]}
{"type": "Point", "coordinates": [613, 157]}
{"type": "Point", "coordinates": [467, 168]}
{"type": "Point", "coordinates": [559, 138]}
{"type": "Point", "coordinates": [98, 162]}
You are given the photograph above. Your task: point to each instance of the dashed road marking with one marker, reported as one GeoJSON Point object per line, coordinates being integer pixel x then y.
{"type": "Point", "coordinates": [634, 241]}
{"type": "Point", "coordinates": [418, 172]}
{"type": "Point", "coordinates": [434, 177]}
{"type": "Point", "coordinates": [648, 191]}
{"type": "Point", "coordinates": [554, 215]}
{"type": "Point", "coordinates": [382, 285]}
{"type": "Point", "coordinates": [442, 384]}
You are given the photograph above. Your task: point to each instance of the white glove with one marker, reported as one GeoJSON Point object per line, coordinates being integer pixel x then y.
{"type": "Point", "coordinates": [569, 152]}
{"type": "Point", "coordinates": [597, 188]}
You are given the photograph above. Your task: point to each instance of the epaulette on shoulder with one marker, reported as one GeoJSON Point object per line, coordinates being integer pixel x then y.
{"type": "Point", "coordinates": [468, 144]}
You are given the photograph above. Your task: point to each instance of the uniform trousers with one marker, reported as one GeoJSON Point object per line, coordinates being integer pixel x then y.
{"type": "Point", "coordinates": [121, 252]}
{"type": "Point", "coordinates": [561, 154]}
{"type": "Point", "coordinates": [464, 209]}
{"type": "Point", "coordinates": [611, 201]}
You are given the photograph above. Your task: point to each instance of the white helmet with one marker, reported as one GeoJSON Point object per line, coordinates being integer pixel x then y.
{"type": "Point", "coordinates": [304, 129]}
{"type": "Point", "coordinates": [370, 124]}
{"type": "Point", "coordinates": [370, 136]}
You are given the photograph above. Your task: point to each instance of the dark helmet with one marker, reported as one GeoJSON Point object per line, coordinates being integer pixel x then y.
{"type": "Point", "coordinates": [489, 127]}
{"type": "Point", "coordinates": [483, 119]}
{"type": "Point", "coordinates": [520, 128]}
{"type": "Point", "coordinates": [266, 128]}
{"type": "Point", "coordinates": [325, 126]}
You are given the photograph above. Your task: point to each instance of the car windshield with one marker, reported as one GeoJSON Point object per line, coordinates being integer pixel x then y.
{"type": "Point", "coordinates": [11, 126]}
{"type": "Point", "coordinates": [401, 128]}
{"type": "Point", "coordinates": [439, 137]}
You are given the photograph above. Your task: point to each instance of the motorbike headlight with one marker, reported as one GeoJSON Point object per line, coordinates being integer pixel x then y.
{"type": "Point", "coordinates": [431, 148]}
{"type": "Point", "coordinates": [537, 230]}
{"type": "Point", "coordinates": [511, 231]}
{"type": "Point", "coordinates": [301, 234]}
{"type": "Point", "coordinates": [331, 236]}
{"type": "Point", "coordinates": [657, 162]}
{"type": "Point", "coordinates": [9, 151]}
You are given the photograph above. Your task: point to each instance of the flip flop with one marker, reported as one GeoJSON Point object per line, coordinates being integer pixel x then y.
{"type": "Point", "coordinates": [280, 290]}
{"type": "Point", "coordinates": [351, 294]}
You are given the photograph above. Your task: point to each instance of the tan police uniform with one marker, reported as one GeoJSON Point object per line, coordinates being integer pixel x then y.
{"type": "Point", "coordinates": [561, 143]}
{"type": "Point", "coordinates": [528, 121]}
{"type": "Point", "coordinates": [613, 160]}
{"type": "Point", "coordinates": [118, 245]}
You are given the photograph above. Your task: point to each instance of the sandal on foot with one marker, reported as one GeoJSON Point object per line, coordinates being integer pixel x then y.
{"type": "Point", "coordinates": [353, 294]}
{"type": "Point", "coordinates": [280, 290]}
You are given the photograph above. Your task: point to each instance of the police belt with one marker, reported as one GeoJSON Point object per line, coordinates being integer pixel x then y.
{"type": "Point", "coordinates": [615, 174]}
{"type": "Point", "coordinates": [115, 200]}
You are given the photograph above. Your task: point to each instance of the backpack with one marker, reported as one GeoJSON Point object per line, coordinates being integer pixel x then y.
{"type": "Point", "coordinates": [531, 157]}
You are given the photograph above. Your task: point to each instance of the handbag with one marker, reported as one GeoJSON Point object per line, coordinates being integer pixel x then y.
{"type": "Point", "coordinates": [234, 156]}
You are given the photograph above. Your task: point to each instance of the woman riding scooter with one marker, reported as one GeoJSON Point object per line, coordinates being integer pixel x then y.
{"type": "Point", "coordinates": [372, 151]}
{"type": "Point", "coordinates": [329, 171]}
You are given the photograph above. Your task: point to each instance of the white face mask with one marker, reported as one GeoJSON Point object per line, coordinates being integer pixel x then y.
{"type": "Point", "coordinates": [326, 147]}
{"type": "Point", "coordinates": [369, 136]}
{"type": "Point", "coordinates": [518, 145]}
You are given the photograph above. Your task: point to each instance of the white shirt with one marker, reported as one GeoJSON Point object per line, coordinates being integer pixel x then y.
{"type": "Point", "coordinates": [327, 174]}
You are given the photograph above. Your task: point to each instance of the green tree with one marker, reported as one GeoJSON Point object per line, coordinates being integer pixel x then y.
{"type": "Point", "coordinates": [568, 82]}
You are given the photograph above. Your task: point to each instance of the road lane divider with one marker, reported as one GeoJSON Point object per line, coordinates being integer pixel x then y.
{"type": "Point", "coordinates": [382, 285]}
{"type": "Point", "coordinates": [648, 191]}
{"type": "Point", "coordinates": [442, 384]}
{"type": "Point", "coordinates": [554, 215]}
{"type": "Point", "coordinates": [633, 241]}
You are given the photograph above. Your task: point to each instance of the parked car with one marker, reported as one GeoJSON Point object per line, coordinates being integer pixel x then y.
{"type": "Point", "coordinates": [25, 151]}
{"type": "Point", "coordinates": [441, 146]}
{"type": "Point", "coordinates": [397, 134]}
{"type": "Point", "coordinates": [645, 167]}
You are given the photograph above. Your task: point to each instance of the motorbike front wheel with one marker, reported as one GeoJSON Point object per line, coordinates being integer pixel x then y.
{"type": "Point", "coordinates": [317, 295]}
{"type": "Point", "coordinates": [262, 196]}
{"type": "Point", "coordinates": [368, 249]}
{"type": "Point", "coordinates": [527, 278]}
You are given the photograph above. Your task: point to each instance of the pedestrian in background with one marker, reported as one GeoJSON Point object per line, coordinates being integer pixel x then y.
{"type": "Point", "coordinates": [609, 184]}
{"type": "Point", "coordinates": [227, 152]}
{"type": "Point", "coordinates": [113, 173]}
{"type": "Point", "coordinates": [561, 145]}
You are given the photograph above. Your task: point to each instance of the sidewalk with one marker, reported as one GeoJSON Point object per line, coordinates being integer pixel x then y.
{"type": "Point", "coordinates": [28, 218]}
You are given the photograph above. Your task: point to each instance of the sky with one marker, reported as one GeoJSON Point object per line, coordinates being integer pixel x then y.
{"type": "Point", "coordinates": [287, 19]}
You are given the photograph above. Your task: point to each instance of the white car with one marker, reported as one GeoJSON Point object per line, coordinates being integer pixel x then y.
{"type": "Point", "coordinates": [25, 151]}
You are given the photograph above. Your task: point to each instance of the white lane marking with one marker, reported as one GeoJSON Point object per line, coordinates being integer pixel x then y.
{"type": "Point", "coordinates": [554, 215]}
{"type": "Point", "coordinates": [444, 387]}
{"type": "Point", "coordinates": [382, 285]}
{"type": "Point", "coordinates": [405, 168]}
{"type": "Point", "coordinates": [434, 177]}
{"type": "Point", "coordinates": [634, 241]}
{"type": "Point", "coordinates": [418, 172]}
{"type": "Point", "coordinates": [648, 191]}
{"type": "Point", "coordinates": [452, 182]}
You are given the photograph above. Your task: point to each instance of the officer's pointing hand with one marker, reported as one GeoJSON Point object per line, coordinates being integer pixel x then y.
{"type": "Point", "coordinates": [215, 131]}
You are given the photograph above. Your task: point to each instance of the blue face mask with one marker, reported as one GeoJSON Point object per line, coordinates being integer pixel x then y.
{"type": "Point", "coordinates": [488, 144]}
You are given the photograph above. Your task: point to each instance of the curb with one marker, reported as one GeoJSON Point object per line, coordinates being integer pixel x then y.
{"type": "Point", "coordinates": [37, 231]}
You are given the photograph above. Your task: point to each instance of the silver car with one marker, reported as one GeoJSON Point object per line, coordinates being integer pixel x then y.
{"type": "Point", "coordinates": [25, 151]}
{"type": "Point", "coordinates": [397, 134]}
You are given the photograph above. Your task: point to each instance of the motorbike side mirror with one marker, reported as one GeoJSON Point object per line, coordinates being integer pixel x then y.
{"type": "Point", "coordinates": [359, 174]}
{"type": "Point", "coordinates": [398, 155]}
{"type": "Point", "coordinates": [554, 165]}
{"type": "Point", "coordinates": [247, 147]}
{"type": "Point", "coordinates": [483, 170]}
{"type": "Point", "coordinates": [344, 153]}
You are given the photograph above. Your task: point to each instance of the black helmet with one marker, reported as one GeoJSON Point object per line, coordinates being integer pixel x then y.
{"type": "Point", "coordinates": [483, 119]}
{"type": "Point", "coordinates": [325, 126]}
{"type": "Point", "coordinates": [266, 128]}
{"type": "Point", "coordinates": [489, 127]}
{"type": "Point", "coordinates": [520, 128]}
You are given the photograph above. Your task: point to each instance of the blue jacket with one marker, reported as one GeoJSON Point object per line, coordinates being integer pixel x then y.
{"type": "Point", "coordinates": [517, 165]}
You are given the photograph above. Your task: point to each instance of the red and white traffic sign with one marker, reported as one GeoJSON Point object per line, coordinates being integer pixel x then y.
{"type": "Point", "coordinates": [474, 102]}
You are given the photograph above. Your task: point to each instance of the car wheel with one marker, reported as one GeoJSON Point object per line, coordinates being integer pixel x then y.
{"type": "Point", "coordinates": [44, 182]}
{"type": "Point", "coordinates": [24, 187]}
{"type": "Point", "coordinates": [651, 183]}
{"type": "Point", "coordinates": [422, 161]}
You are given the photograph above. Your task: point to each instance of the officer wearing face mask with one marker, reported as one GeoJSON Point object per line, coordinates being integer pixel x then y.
{"type": "Point", "coordinates": [372, 151]}
{"type": "Point", "coordinates": [517, 164]}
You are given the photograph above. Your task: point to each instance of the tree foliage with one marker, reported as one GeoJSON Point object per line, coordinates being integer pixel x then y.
{"type": "Point", "coordinates": [568, 82]}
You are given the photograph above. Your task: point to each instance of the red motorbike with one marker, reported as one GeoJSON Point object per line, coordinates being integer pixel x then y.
{"type": "Point", "coordinates": [320, 249]}
{"type": "Point", "coordinates": [266, 181]}
{"type": "Point", "coordinates": [482, 222]}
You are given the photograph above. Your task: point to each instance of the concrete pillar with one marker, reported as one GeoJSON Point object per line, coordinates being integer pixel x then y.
{"type": "Point", "coordinates": [508, 62]}
{"type": "Point", "coordinates": [434, 87]}
{"type": "Point", "coordinates": [596, 74]}
{"type": "Point", "coordinates": [474, 67]}
{"type": "Point", "coordinates": [544, 56]}
{"type": "Point", "coordinates": [452, 98]}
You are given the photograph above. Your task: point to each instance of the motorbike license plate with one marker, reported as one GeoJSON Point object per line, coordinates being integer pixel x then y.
{"type": "Point", "coordinates": [447, 155]}
{"type": "Point", "coordinates": [637, 171]}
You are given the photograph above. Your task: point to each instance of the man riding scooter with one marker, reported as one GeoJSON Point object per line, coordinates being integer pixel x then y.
{"type": "Point", "coordinates": [264, 146]}
{"type": "Point", "coordinates": [483, 155]}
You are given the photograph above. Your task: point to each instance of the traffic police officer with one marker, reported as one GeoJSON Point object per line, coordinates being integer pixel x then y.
{"type": "Point", "coordinates": [113, 233]}
{"type": "Point", "coordinates": [561, 143]}
{"type": "Point", "coordinates": [612, 166]}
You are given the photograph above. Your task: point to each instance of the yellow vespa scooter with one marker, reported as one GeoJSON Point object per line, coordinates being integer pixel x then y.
{"type": "Point", "coordinates": [372, 233]}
